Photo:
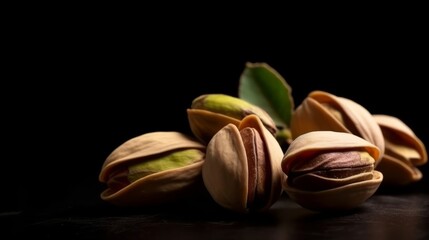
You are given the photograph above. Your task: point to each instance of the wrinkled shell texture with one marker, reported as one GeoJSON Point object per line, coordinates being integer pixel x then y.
{"type": "Point", "coordinates": [225, 170]}
{"type": "Point", "coordinates": [313, 115]}
{"type": "Point", "coordinates": [312, 144]}
{"type": "Point", "coordinates": [400, 169]}
{"type": "Point", "coordinates": [156, 188]}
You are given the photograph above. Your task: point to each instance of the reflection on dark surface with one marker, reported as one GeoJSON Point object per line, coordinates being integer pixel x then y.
{"type": "Point", "coordinates": [386, 215]}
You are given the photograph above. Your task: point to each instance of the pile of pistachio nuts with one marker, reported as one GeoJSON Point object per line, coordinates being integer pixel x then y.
{"type": "Point", "coordinates": [337, 156]}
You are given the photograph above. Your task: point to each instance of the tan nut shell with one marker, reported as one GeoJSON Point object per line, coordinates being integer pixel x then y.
{"type": "Point", "coordinates": [395, 171]}
{"type": "Point", "coordinates": [225, 170]}
{"type": "Point", "coordinates": [336, 199]}
{"type": "Point", "coordinates": [159, 187]}
{"type": "Point", "coordinates": [205, 124]}
{"type": "Point", "coordinates": [311, 115]}
{"type": "Point", "coordinates": [339, 198]}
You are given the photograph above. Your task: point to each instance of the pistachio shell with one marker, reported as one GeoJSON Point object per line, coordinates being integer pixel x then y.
{"type": "Point", "coordinates": [204, 124]}
{"type": "Point", "coordinates": [171, 160]}
{"type": "Point", "coordinates": [404, 152]}
{"type": "Point", "coordinates": [322, 111]}
{"type": "Point", "coordinates": [226, 170]}
{"type": "Point", "coordinates": [336, 199]}
{"type": "Point", "coordinates": [397, 172]}
{"type": "Point", "coordinates": [210, 112]}
{"type": "Point", "coordinates": [331, 169]}
{"type": "Point", "coordinates": [159, 187]}
{"type": "Point", "coordinates": [315, 182]}
{"type": "Point", "coordinates": [321, 192]}
{"type": "Point", "coordinates": [313, 143]}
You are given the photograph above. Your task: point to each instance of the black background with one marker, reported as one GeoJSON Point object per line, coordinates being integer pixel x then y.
{"type": "Point", "coordinates": [78, 88]}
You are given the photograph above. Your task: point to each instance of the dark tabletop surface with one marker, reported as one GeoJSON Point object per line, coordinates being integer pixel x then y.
{"type": "Point", "coordinates": [386, 215]}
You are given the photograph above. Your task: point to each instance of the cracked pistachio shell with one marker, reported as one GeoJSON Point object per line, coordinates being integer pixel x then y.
{"type": "Point", "coordinates": [151, 169]}
{"type": "Point", "coordinates": [211, 112]}
{"type": "Point", "coordinates": [329, 170]}
{"type": "Point", "coordinates": [404, 152]}
{"type": "Point", "coordinates": [322, 111]}
{"type": "Point", "coordinates": [241, 170]}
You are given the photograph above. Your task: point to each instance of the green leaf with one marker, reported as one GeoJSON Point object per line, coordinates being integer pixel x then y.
{"type": "Point", "coordinates": [263, 86]}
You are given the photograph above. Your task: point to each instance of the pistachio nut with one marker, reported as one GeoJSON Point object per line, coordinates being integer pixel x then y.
{"type": "Point", "coordinates": [329, 170]}
{"type": "Point", "coordinates": [242, 167]}
{"type": "Point", "coordinates": [152, 169]}
{"type": "Point", "coordinates": [322, 111]}
{"type": "Point", "coordinates": [404, 152]}
{"type": "Point", "coordinates": [211, 112]}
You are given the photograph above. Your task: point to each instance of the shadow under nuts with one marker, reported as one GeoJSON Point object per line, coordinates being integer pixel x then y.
{"type": "Point", "coordinates": [242, 167]}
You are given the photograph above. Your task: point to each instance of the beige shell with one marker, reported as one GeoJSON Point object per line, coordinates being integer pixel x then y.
{"type": "Point", "coordinates": [225, 170]}
{"type": "Point", "coordinates": [397, 169]}
{"type": "Point", "coordinates": [337, 199]}
{"type": "Point", "coordinates": [322, 111]}
{"type": "Point", "coordinates": [157, 188]}
{"type": "Point", "coordinates": [205, 124]}
{"type": "Point", "coordinates": [343, 197]}
{"type": "Point", "coordinates": [205, 120]}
